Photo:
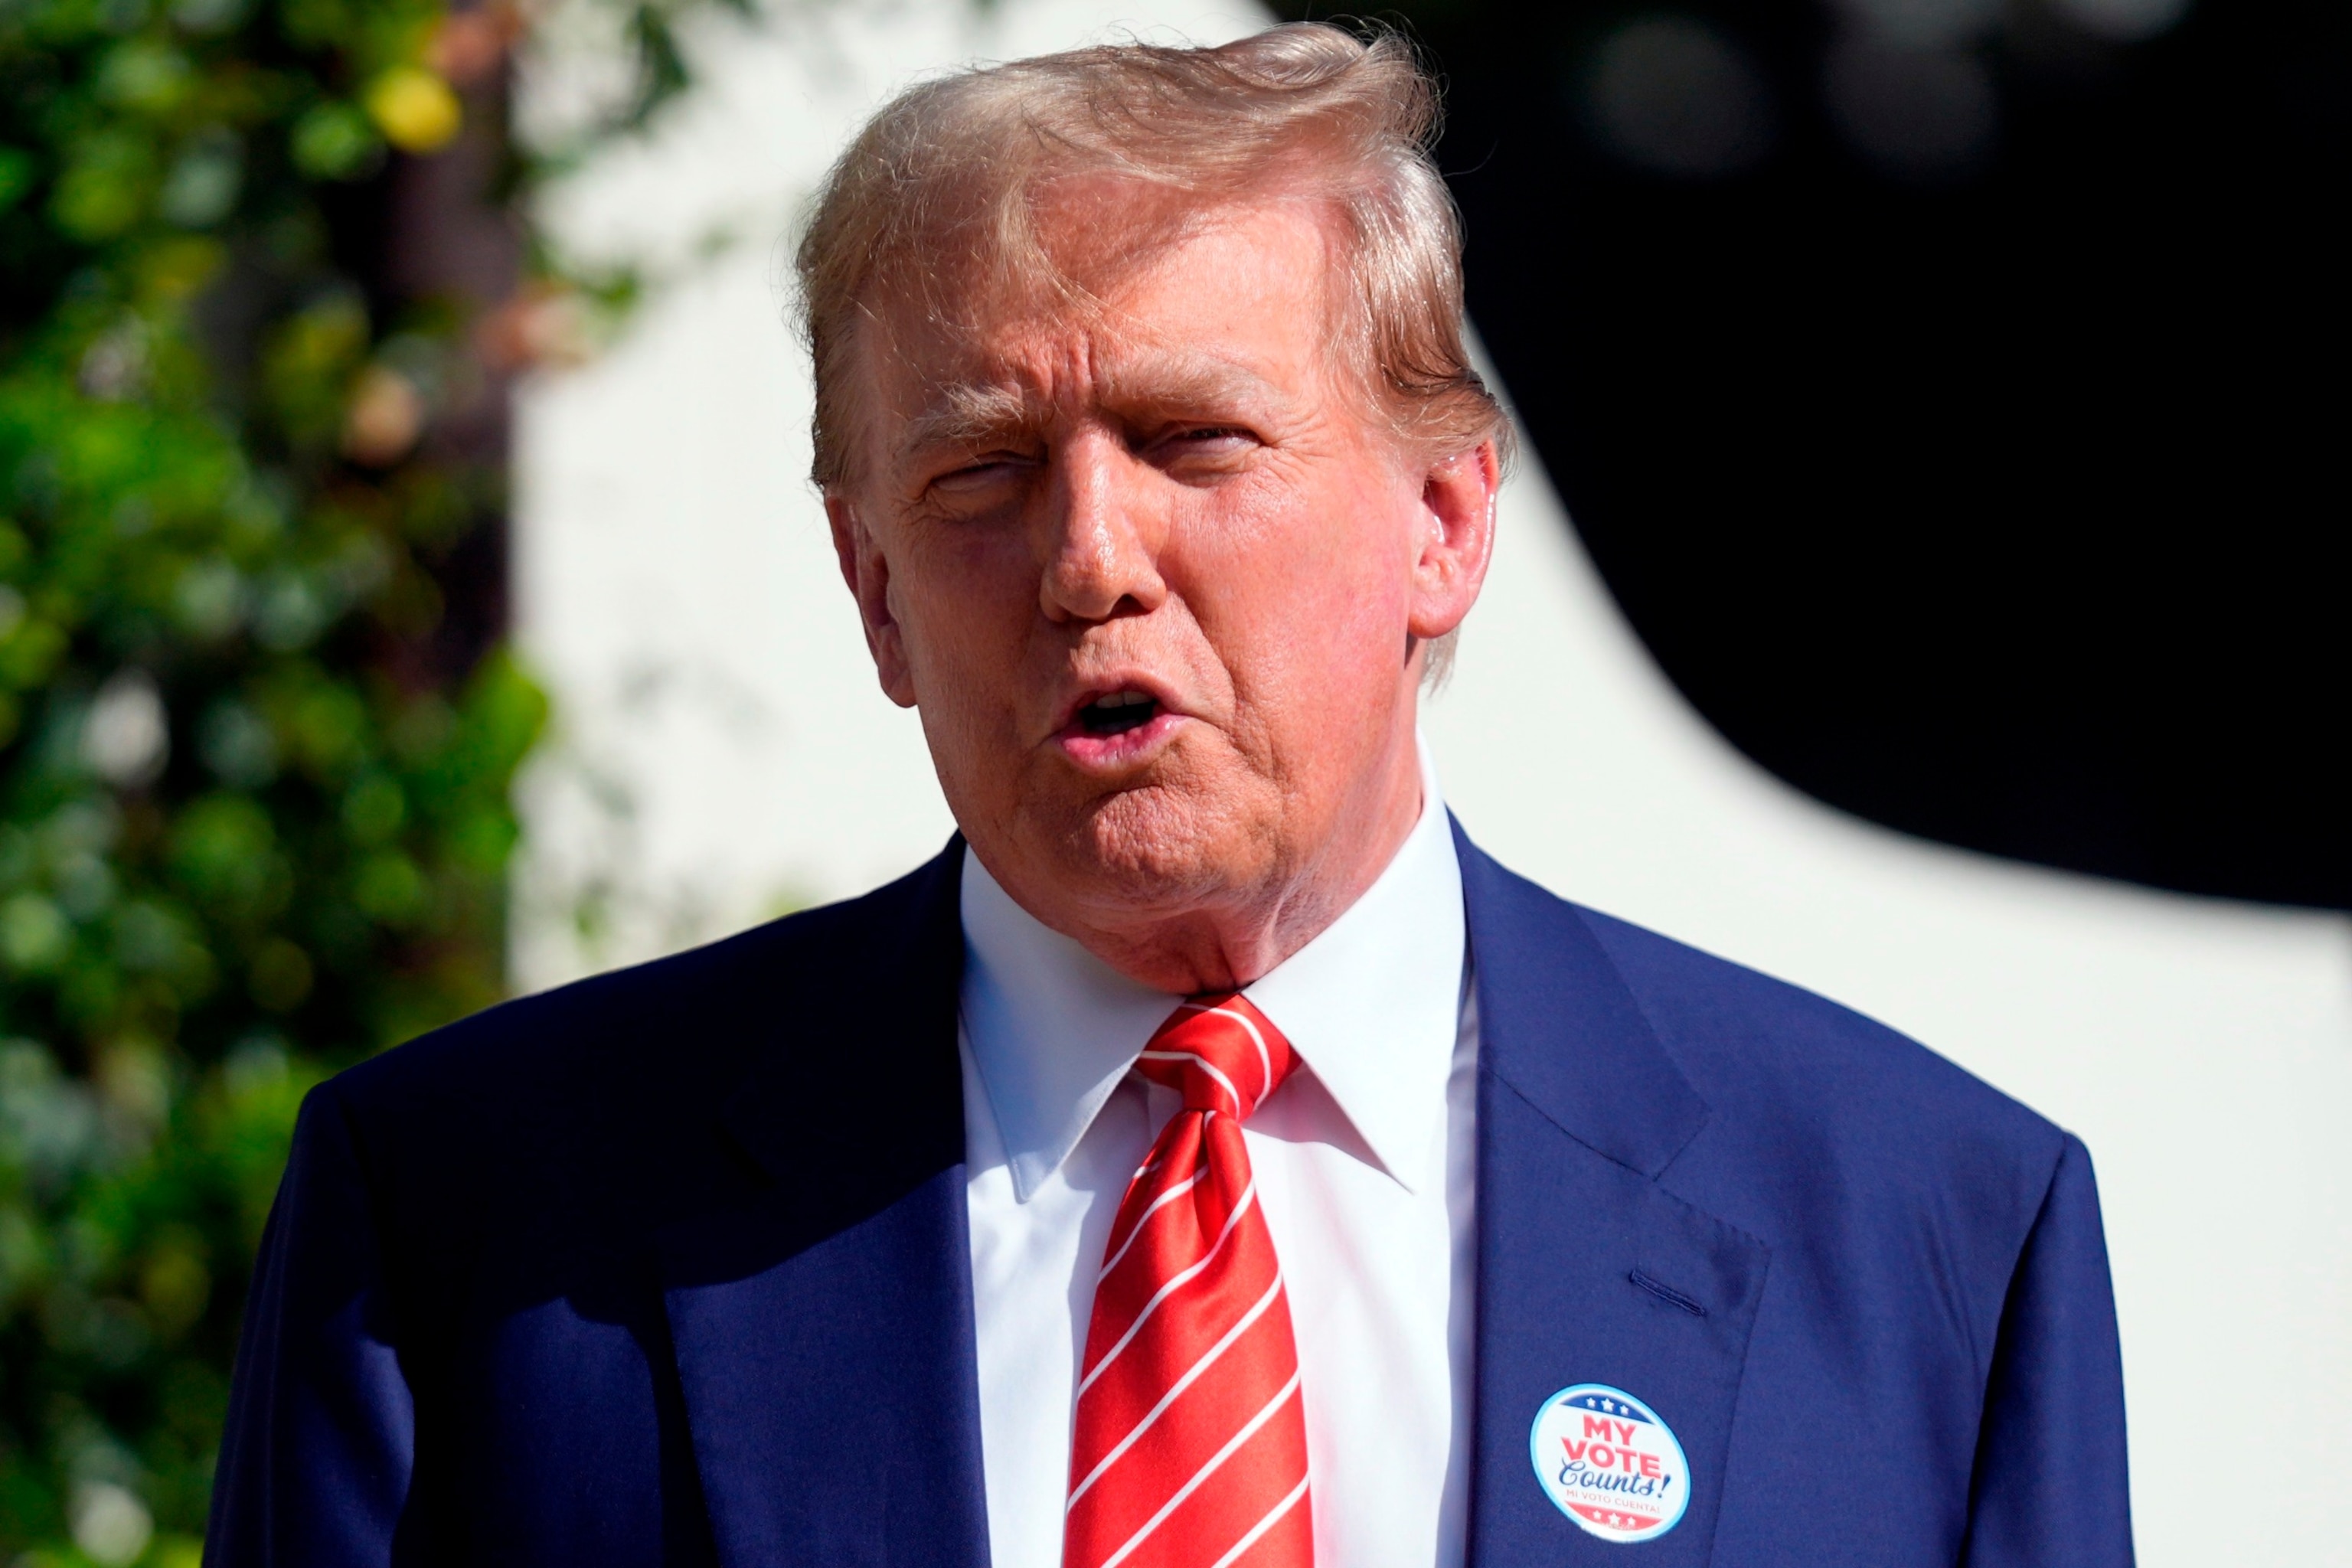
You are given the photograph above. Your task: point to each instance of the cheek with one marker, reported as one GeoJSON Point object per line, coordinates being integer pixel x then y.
{"type": "Point", "coordinates": [966, 605]}
{"type": "Point", "coordinates": [1342, 555]}
{"type": "Point", "coordinates": [1310, 595]}
{"type": "Point", "coordinates": [964, 598]}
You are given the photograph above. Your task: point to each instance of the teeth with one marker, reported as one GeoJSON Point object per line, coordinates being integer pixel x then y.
{"type": "Point", "coordinates": [1124, 699]}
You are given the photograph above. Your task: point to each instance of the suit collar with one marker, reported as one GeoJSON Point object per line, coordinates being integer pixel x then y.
{"type": "Point", "coordinates": [1577, 1046]}
{"type": "Point", "coordinates": [1557, 1024]}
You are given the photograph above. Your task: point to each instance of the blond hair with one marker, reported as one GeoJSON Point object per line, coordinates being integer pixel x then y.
{"type": "Point", "coordinates": [936, 194]}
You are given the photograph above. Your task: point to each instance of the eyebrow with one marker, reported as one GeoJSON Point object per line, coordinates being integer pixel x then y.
{"type": "Point", "coordinates": [971, 412]}
{"type": "Point", "coordinates": [966, 414]}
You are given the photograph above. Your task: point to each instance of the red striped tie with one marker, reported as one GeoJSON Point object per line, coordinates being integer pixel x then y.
{"type": "Point", "coordinates": [1191, 1447]}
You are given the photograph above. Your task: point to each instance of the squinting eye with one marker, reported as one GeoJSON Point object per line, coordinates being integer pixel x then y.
{"type": "Point", "coordinates": [1206, 439]}
{"type": "Point", "coordinates": [988, 470]}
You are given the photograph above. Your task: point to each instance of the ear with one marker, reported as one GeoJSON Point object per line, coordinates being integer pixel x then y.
{"type": "Point", "coordinates": [868, 571]}
{"type": "Point", "coordinates": [1457, 499]}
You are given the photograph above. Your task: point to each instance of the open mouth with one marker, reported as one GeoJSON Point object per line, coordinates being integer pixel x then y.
{"type": "Point", "coordinates": [1118, 713]}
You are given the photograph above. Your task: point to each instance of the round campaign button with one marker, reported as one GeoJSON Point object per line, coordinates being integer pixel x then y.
{"type": "Point", "coordinates": [1609, 1463]}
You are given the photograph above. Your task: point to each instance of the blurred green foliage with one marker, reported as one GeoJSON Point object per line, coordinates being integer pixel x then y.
{"type": "Point", "coordinates": [252, 827]}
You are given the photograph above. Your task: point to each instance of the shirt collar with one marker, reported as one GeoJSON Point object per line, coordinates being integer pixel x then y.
{"type": "Point", "coordinates": [1052, 1027]}
{"type": "Point", "coordinates": [1372, 1005]}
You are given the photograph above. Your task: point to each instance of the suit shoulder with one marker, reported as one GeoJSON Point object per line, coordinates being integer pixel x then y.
{"type": "Point", "coordinates": [1749, 1042]}
{"type": "Point", "coordinates": [685, 1021]}
{"type": "Point", "coordinates": [1714, 1011]}
{"type": "Point", "coordinates": [534, 1149]}
{"type": "Point", "coordinates": [1811, 1096]}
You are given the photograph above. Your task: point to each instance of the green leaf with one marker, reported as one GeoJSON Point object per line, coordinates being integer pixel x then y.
{"type": "Point", "coordinates": [33, 934]}
{"type": "Point", "coordinates": [18, 169]}
{"type": "Point", "coordinates": [661, 65]}
{"type": "Point", "coordinates": [336, 141]}
{"type": "Point", "coordinates": [144, 74]}
{"type": "Point", "coordinates": [106, 188]}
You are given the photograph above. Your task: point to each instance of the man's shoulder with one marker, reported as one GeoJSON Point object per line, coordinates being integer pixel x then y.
{"type": "Point", "coordinates": [1794, 1081]}
{"type": "Point", "coordinates": [1738, 1030]}
{"type": "Point", "coordinates": [542, 1147]}
{"type": "Point", "coordinates": [649, 1039]}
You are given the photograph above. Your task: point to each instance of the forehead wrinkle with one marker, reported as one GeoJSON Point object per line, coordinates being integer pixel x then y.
{"type": "Point", "coordinates": [1075, 350]}
{"type": "Point", "coordinates": [968, 413]}
{"type": "Point", "coordinates": [1161, 379]}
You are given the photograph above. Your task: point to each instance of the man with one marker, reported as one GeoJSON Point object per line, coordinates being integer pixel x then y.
{"type": "Point", "coordinates": [1211, 1158]}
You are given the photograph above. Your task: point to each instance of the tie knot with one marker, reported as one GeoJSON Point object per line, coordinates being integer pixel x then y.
{"type": "Point", "coordinates": [1219, 1052]}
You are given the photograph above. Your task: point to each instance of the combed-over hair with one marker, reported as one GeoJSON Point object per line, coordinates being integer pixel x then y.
{"type": "Point", "coordinates": [937, 191]}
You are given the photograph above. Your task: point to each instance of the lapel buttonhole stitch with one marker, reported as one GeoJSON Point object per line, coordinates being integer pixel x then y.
{"type": "Point", "coordinates": [1666, 1293]}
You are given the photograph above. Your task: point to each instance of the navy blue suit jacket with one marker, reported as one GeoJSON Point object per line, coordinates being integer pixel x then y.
{"type": "Point", "coordinates": [671, 1267]}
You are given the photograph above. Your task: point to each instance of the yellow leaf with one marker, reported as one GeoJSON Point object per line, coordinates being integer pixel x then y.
{"type": "Point", "coordinates": [415, 109]}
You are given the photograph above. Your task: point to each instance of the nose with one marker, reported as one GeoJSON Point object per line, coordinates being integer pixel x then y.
{"type": "Point", "coordinates": [1102, 535]}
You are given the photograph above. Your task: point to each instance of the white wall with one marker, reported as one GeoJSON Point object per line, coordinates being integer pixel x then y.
{"type": "Point", "coordinates": [724, 751]}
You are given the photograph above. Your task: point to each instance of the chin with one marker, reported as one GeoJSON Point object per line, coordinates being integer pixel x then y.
{"type": "Point", "coordinates": [1162, 846]}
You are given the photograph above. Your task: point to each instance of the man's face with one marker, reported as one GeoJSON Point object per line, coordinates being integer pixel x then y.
{"type": "Point", "coordinates": [1157, 576]}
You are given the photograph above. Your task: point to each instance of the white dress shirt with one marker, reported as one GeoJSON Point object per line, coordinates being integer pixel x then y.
{"type": "Point", "coordinates": [1365, 1168]}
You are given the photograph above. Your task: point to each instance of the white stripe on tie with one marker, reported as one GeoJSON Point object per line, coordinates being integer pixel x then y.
{"type": "Point", "coordinates": [1263, 1525]}
{"type": "Point", "coordinates": [1264, 1061]}
{"type": "Point", "coordinates": [1249, 1195]}
{"type": "Point", "coordinates": [1169, 1196]}
{"type": "Point", "coordinates": [1204, 1473]}
{"type": "Point", "coordinates": [1190, 1375]}
{"type": "Point", "coordinates": [1206, 1066]}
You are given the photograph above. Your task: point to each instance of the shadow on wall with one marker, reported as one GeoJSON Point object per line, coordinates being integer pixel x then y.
{"type": "Point", "coordinates": [1935, 382]}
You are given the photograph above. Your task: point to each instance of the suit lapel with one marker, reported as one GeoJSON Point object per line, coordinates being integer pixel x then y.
{"type": "Point", "coordinates": [822, 1321]}
{"type": "Point", "coordinates": [1588, 1271]}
